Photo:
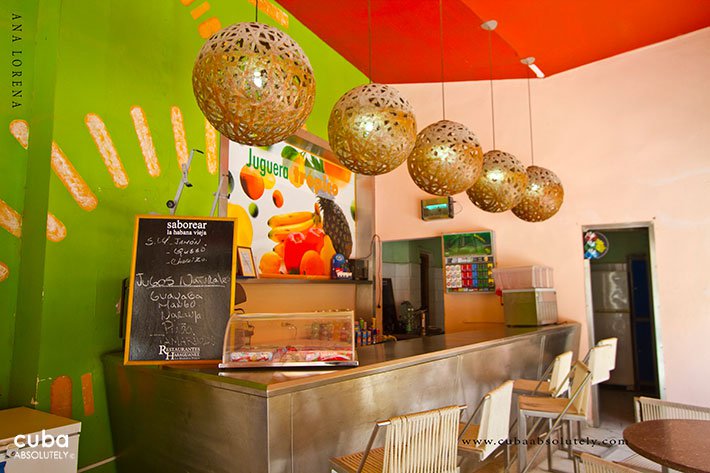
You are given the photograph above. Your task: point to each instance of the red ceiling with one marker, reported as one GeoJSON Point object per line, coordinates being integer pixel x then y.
{"type": "Point", "coordinates": [560, 34]}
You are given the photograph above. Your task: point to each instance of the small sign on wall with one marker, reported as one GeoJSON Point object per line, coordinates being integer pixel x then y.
{"type": "Point", "coordinates": [596, 245]}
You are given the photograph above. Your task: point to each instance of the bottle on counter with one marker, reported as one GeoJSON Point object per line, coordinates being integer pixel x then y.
{"type": "Point", "coordinates": [410, 320]}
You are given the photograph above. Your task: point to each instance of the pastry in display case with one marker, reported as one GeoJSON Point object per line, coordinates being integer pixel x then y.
{"type": "Point", "coordinates": [292, 339]}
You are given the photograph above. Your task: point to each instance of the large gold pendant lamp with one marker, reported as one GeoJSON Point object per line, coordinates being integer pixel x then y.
{"type": "Point", "coordinates": [503, 179]}
{"type": "Point", "coordinates": [447, 157]}
{"type": "Point", "coordinates": [544, 193]}
{"type": "Point", "coordinates": [372, 128]}
{"type": "Point", "coordinates": [253, 83]}
{"type": "Point", "coordinates": [502, 183]}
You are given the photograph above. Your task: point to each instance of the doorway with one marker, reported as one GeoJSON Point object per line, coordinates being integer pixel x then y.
{"type": "Point", "coordinates": [412, 276]}
{"type": "Point", "coordinates": [622, 305]}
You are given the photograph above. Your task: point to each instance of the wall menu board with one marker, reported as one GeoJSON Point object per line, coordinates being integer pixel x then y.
{"type": "Point", "coordinates": [469, 261]}
{"type": "Point", "coordinates": [181, 289]}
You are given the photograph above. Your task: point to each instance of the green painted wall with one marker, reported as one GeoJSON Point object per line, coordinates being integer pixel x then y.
{"type": "Point", "coordinates": [110, 55]}
{"type": "Point", "coordinates": [429, 245]}
{"type": "Point", "coordinates": [18, 23]}
{"type": "Point", "coordinates": [407, 251]}
{"type": "Point", "coordinates": [395, 251]}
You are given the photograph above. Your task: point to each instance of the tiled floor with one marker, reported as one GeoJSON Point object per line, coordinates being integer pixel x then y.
{"type": "Point", "coordinates": [616, 408]}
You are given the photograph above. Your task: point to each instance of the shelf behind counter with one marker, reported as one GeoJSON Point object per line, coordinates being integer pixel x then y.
{"type": "Point", "coordinates": [294, 420]}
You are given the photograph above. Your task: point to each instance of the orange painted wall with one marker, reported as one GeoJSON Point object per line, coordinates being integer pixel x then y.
{"type": "Point", "coordinates": [630, 138]}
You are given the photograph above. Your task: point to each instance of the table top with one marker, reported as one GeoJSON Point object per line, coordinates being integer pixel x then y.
{"type": "Point", "coordinates": [683, 445]}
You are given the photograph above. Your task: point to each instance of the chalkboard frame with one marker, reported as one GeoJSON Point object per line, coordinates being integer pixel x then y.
{"type": "Point", "coordinates": [233, 272]}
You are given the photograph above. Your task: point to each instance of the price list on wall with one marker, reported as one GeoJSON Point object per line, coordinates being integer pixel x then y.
{"type": "Point", "coordinates": [469, 262]}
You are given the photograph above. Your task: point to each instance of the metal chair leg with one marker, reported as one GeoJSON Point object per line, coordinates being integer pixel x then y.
{"type": "Point", "coordinates": [569, 439]}
{"type": "Point", "coordinates": [549, 445]}
{"type": "Point", "coordinates": [507, 456]}
{"type": "Point", "coordinates": [522, 436]}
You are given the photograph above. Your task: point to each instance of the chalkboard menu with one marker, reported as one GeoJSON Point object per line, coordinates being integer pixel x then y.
{"type": "Point", "coordinates": [181, 289]}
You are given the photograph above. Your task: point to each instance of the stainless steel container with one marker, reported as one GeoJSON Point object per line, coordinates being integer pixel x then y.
{"type": "Point", "coordinates": [530, 306]}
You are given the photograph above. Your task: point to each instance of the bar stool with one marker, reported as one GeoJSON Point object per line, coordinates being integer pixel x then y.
{"type": "Point", "coordinates": [559, 410]}
{"type": "Point", "coordinates": [485, 437]}
{"type": "Point", "coordinates": [611, 342]}
{"type": "Point", "coordinates": [594, 464]}
{"type": "Point", "coordinates": [553, 382]}
{"type": "Point", "coordinates": [416, 443]}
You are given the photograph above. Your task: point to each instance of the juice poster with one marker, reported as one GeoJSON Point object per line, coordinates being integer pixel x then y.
{"type": "Point", "coordinates": [295, 210]}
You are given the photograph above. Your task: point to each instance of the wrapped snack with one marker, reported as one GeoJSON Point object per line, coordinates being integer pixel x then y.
{"type": "Point", "coordinates": [252, 354]}
{"type": "Point", "coordinates": [326, 355]}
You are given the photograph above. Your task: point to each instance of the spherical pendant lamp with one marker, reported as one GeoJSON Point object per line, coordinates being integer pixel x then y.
{"type": "Point", "coordinates": [543, 196]}
{"type": "Point", "coordinates": [254, 84]}
{"type": "Point", "coordinates": [372, 129]}
{"type": "Point", "coordinates": [501, 184]}
{"type": "Point", "coordinates": [446, 159]}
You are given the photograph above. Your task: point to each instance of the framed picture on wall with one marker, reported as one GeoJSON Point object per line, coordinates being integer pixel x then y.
{"type": "Point", "coordinates": [284, 189]}
{"type": "Point", "coordinates": [469, 260]}
{"type": "Point", "coordinates": [247, 268]}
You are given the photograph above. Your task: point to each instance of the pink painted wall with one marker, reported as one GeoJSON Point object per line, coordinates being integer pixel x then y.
{"type": "Point", "coordinates": [630, 139]}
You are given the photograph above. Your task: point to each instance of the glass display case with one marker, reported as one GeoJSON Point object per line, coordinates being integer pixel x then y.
{"type": "Point", "coordinates": [293, 339]}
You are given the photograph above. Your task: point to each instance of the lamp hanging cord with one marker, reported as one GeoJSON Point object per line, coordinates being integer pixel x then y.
{"type": "Point", "coordinates": [441, 47]}
{"type": "Point", "coordinates": [256, 11]}
{"type": "Point", "coordinates": [532, 152]}
{"type": "Point", "coordinates": [369, 40]}
{"type": "Point", "coordinates": [490, 68]}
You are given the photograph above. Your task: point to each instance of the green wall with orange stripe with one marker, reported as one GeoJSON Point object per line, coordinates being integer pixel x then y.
{"type": "Point", "coordinates": [101, 61]}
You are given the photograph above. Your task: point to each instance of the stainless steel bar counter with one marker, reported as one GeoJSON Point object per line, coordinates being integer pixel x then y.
{"type": "Point", "coordinates": [198, 419]}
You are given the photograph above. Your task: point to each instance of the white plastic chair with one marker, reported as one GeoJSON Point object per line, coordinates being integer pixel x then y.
{"type": "Point", "coordinates": [594, 464]}
{"type": "Point", "coordinates": [559, 410]}
{"type": "Point", "coordinates": [492, 430]}
{"type": "Point", "coordinates": [554, 381]}
{"type": "Point", "coordinates": [613, 342]}
{"type": "Point", "coordinates": [648, 408]}
{"type": "Point", "coordinates": [415, 443]}
{"type": "Point", "coordinates": [601, 362]}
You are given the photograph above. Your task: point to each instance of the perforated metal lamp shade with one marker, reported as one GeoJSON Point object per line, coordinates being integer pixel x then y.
{"type": "Point", "coordinates": [446, 159]}
{"type": "Point", "coordinates": [543, 196]}
{"type": "Point", "coordinates": [254, 84]}
{"type": "Point", "coordinates": [502, 182]}
{"type": "Point", "coordinates": [372, 129]}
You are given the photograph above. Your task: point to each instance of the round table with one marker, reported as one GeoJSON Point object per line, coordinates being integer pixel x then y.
{"type": "Point", "coordinates": [679, 444]}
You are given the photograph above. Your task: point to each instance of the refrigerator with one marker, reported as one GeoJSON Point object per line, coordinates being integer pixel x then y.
{"type": "Point", "coordinates": [612, 317]}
